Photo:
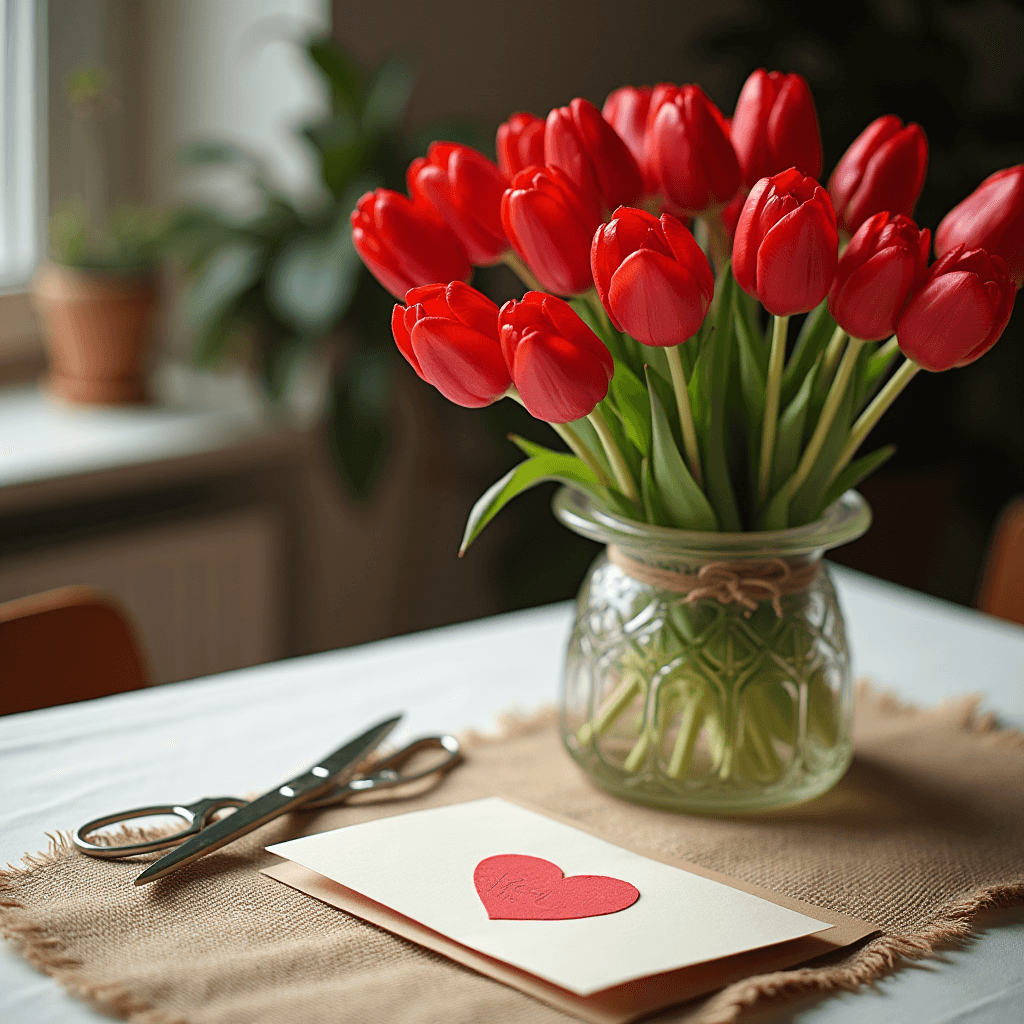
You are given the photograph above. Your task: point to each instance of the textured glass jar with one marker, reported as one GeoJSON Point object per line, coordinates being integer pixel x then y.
{"type": "Point", "coordinates": [699, 705]}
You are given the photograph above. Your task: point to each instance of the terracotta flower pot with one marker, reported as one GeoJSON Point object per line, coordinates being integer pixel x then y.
{"type": "Point", "coordinates": [98, 333]}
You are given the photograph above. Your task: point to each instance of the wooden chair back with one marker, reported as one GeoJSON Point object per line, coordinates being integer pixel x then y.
{"type": "Point", "coordinates": [1002, 586]}
{"type": "Point", "coordinates": [66, 645]}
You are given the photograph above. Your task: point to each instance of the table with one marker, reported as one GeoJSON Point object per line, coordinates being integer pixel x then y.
{"type": "Point", "coordinates": [246, 730]}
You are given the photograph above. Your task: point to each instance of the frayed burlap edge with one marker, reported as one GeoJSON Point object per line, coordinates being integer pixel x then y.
{"type": "Point", "coordinates": [879, 957]}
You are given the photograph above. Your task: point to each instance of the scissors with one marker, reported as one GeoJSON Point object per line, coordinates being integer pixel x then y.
{"type": "Point", "coordinates": [328, 783]}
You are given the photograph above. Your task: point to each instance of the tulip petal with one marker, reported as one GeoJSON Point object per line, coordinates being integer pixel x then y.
{"type": "Point", "coordinates": [557, 381]}
{"type": "Point", "coordinates": [656, 300]}
{"type": "Point", "coordinates": [945, 321]}
{"type": "Point", "coordinates": [867, 304]}
{"type": "Point", "coordinates": [465, 366]}
{"type": "Point", "coordinates": [796, 261]}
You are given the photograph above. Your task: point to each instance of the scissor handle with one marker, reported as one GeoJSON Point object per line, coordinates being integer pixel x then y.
{"type": "Point", "coordinates": [196, 816]}
{"type": "Point", "coordinates": [387, 773]}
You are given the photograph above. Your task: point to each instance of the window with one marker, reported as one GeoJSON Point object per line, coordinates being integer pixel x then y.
{"type": "Point", "coordinates": [20, 165]}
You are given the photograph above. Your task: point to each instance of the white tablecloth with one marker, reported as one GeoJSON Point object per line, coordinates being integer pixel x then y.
{"type": "Point", "coordinates": [244, 731]}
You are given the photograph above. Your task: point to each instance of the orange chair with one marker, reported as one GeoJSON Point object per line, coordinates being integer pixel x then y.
{"type": "Point", "coordinates": [1002, 587]}
{"type": "Point", "coordinates": [66, 645]}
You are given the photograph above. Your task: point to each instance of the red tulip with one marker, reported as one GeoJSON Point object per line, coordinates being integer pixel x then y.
{"type": "Point", "coordinates": [652, 276]}
{"type": "Point", "coordinates": [550, 223]}
{"type": "Point", "coordinates": [959, 311]}
{"type": "Point", "coordinates": [626, 111]}
{"type": "Point", "coordinates": [403, 245]}
{"type": "Point", "coordinates": [688, 151]}
{"type": "Point", "coordinates": [775, 126]}
{"type": "Point", "coordinates": [990, 218]}
{"type": "Point", "coordinates": [580, 142]}
{"type": "Point", "coordinates": [786, 243]}
{"type": "Point", "coordinates": [883, 170]}
{"type": "Point", "coordinates": [885, 259]}
{"type": "Point", "coordinates": [520, 144]}
{"type": "Point", "coordinates": [559, 365]}
{"type": "Point", "coordinates": [465, 190]}
{"type": "Point", "coordinates": [449, 333]}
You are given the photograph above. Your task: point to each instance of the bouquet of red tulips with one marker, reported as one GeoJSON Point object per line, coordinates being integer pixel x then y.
{"type": "Point", "coordinates": [665, 248]}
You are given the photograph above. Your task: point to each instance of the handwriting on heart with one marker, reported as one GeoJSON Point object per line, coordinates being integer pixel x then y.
{"type": "Point", "coordinates": [514, 887]}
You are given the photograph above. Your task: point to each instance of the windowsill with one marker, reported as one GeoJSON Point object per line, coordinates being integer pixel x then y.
{"type": "Point", "coordinates": [44, 440]}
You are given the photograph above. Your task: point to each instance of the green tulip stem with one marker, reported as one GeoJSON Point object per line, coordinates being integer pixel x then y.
{"type": "Point", "coordinates": [828, 414]}
{"type": "Point", "coordinates": [874, 412]}
{"type": "Point", "coordinates": [833, 351]}
{"type": "Point", "coordinates": [572, 439]}
{"type": "Point", "coordinates": [522, 271]}
{"type": "Point", "coordinates": [675, 365]}
{"type": "Point", "coordinates": [889, 349]}
{"type": "Point", "coordinates": [581, 451]}
{"type": "Point", "coordinates": [622, 474]}
{"type": "Point", "coordinates": [773, 387]}
{"type": "Point", "coordinates": [718, 241]}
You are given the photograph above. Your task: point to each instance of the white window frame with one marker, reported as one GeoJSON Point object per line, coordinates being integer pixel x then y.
{"type": "Point", "coordinates": [23, 165]}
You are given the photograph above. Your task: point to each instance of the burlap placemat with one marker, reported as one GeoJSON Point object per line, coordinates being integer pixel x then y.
{"type": "Point", "coordinates": [926, 829]}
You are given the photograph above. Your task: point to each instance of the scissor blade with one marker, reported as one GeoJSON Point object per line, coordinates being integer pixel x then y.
{"type": "Point", "coordinates": [295, 792]}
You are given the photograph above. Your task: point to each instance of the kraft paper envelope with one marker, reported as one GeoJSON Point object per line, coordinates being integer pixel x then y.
{"type": "Point", "coordinates": [691, 931]}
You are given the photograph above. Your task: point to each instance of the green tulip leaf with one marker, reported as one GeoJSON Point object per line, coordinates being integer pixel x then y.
{"type": "Point", "coordinates": [790, 436]}
{"type": "Point", "coordinates": [807, 504]}
{"type": "Point", "coordinates": [632, 408]}
{"type": "Point", "coordinates": [716, 464]}
{"type": "Point", "coordinates": [817, 329]}
{"type": "Point", "coordinates": [856, 471]}
{"type": "Point", "coordinates": [546, 465]}
{"type": "Point", "coordinates": [685, 504]}
{"type": "Point", "coordinates": [878, 365]}
{"type": "Point", "coordinates": [654, 510]}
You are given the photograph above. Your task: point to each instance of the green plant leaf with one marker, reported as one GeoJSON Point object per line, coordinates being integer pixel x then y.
{"type": "Point", "coordinates": [814, 336]}
{"type": "Point", "coordinates": [874, 371]}
{"type": "Point", "coordinates": [345, 77]}
{"type": "Point", "coordinates": [216, 293]}
{"type": "Point", "coordinates": [388, 96]}
{"type": "Point", "coordinates": [612, 500]}
{"type": "Point", "coordinates": [806, 505]}
{"type": "Point", "coordinates": [790, 435]}
{"type": "Point", "coordinates": [547, 465]}
{"type": "Point", "coordinates": [716, 464]}
{"type": "Point", "coordinates": [684, 502]}
{"type": "Point", "coordinates": [654, 510]}
{"type": "Point", "coordinates": [856, 471]}
{"type": "Point", "coordinates": [632, 407]}
{"type": "Point", "coordinates": [360, 421]}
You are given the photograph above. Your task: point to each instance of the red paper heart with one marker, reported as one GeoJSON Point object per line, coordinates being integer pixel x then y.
{"type": "Point", "coordinates": [514, 887]}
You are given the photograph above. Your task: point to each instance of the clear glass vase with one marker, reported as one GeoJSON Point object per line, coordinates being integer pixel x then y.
{"type": "Point", "coordinates": [685, 701]}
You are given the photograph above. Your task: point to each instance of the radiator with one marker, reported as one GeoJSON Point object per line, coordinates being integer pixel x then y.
{"type": "Point", "coordinates": [204, 593]}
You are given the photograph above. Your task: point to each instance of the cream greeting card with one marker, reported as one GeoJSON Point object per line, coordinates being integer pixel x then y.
{"type": "Point", "coordinates": [545, 897]}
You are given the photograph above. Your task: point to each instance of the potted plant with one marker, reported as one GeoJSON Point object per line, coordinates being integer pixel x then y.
{"type": "Point", "coordinates": [97, 295]}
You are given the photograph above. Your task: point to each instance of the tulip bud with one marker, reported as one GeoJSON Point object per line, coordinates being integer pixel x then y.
{"type": "Point", "coordinates": [580, 142]}
{"type": "Point", "coordinates": [626, 110]}
{"type": "Point", "coordinates": [990, 218]}
{"type": "Point", "coordinates": [403, 245]}
{"type": "Point", "coordinates": [786, 243]}
{"type": "Point", "coordinates": [652, 276]}
{"type": "Point", "coordinates": [520, 144]}
{"type": "Point", "coordinates": [688, 151]}
{"type": "Point", "coordinates": [959, 311]}
{"type": "Point", "coordinates": [550, 223]}
{"type": "Point", "coordinates": [449, 333]}
{"type": "Point", "coordinates": [883, 170]}
{"type": "Point", "coordinates": [775, 126]}
{"type": "Point", "coordinates": [885, 259]}
{"type": "Point", "coordinates": [558, 364]}
{"type": "Point", "coordinates": [465, 190]}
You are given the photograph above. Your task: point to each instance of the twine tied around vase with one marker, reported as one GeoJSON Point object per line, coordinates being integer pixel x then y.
{"type": "Point", "coordinates": [745, 582]}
